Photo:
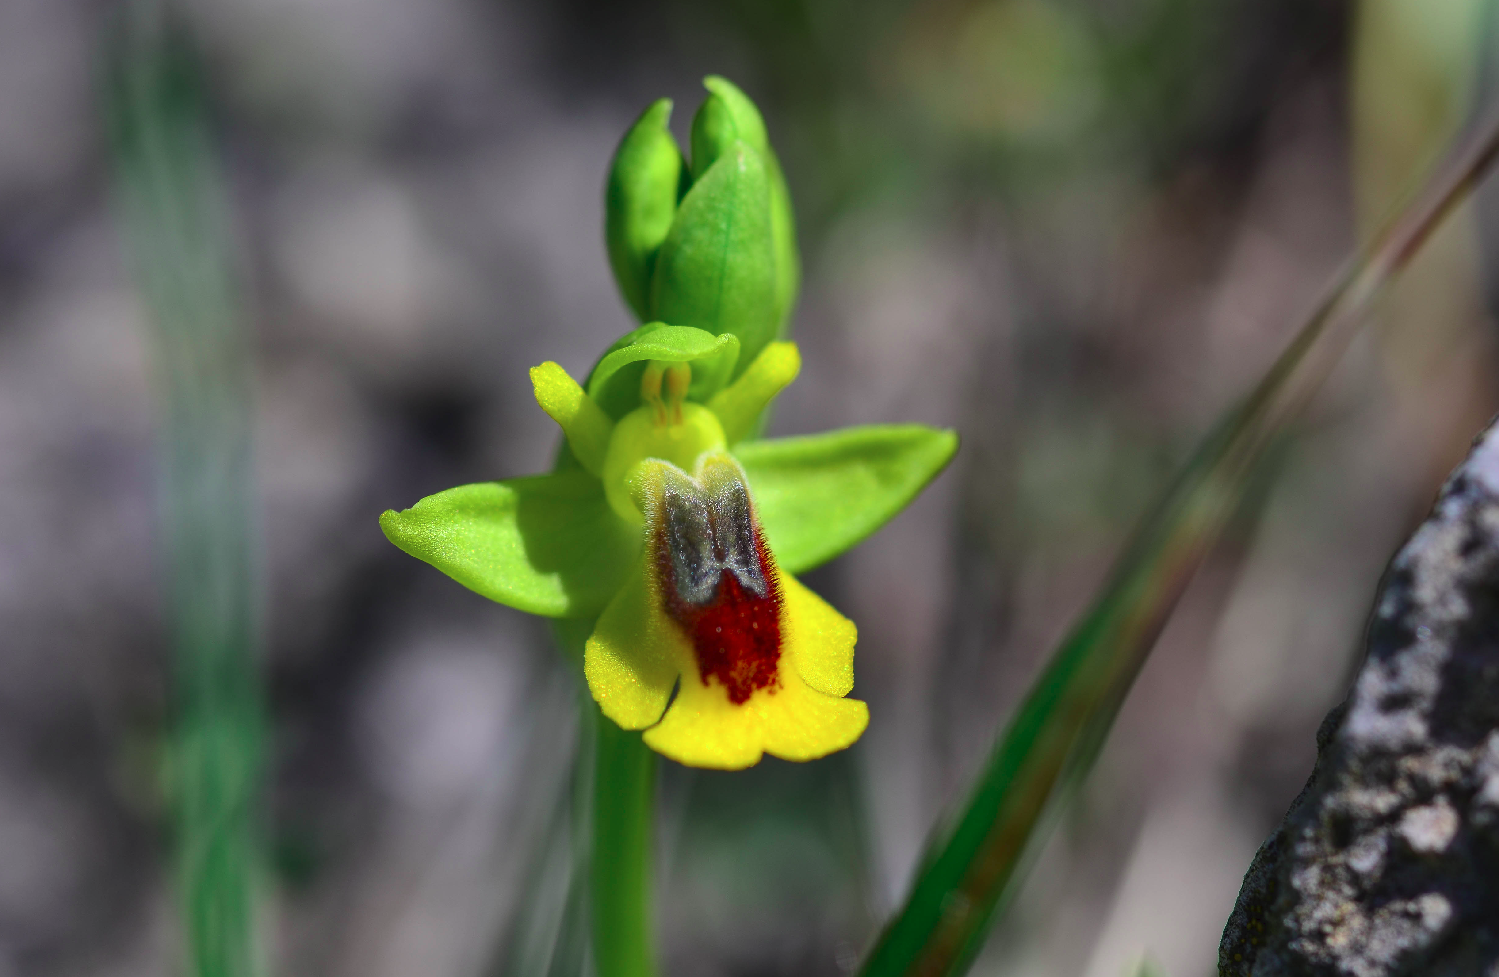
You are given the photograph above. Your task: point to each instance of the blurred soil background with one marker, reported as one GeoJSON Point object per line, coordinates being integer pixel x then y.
{"type": "Point", "coordinates": [1073, 229]}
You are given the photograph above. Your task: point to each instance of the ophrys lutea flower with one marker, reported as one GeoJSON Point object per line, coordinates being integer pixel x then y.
{"type": "Point", "coordinates": [684, 538]}
{"type": "Point", "coordinates": [664, 521]}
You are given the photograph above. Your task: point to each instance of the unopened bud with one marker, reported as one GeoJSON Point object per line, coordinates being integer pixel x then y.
{"type": "Point", "coordinates": [719, 254]}
{"type": "Point", "coordinates": [640, 201]}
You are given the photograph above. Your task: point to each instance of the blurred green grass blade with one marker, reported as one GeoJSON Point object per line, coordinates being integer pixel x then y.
{"type": "Point", "coordinates": [172, 204]}
{"type": "Point", "coordinates": [974, 866]}
{"type": "Point", "coordinates": [549, 932]}
{"type": "Point", "coordinates": [1147, 968]}
{"type": "Point", "coordinates": [570, 950]}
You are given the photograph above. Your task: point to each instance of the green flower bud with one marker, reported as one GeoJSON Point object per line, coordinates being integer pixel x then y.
{"type": "Point", "coordinates": [716, 270]}
{"type": "Point", "coordinates": [783, 244]}
{"type": "Point", "coordinates": [640, 201]}
{"type": "Point", "coordinates": [724, 259]}
{"type": "Point", "coordinates": [725, 116]}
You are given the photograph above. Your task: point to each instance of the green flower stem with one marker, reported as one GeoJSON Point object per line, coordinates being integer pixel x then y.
{"type": "Point", "coordinates": [624, 797]}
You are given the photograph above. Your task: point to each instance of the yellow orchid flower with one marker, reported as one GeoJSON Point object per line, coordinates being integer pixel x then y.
{"type": "Point", "coordinates": [683, 537]}
{"type": "Point", "coordinates": [664, 518]}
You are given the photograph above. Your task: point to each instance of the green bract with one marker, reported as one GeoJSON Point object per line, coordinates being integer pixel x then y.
{"type": "Point", "coordinates": [710, 245]}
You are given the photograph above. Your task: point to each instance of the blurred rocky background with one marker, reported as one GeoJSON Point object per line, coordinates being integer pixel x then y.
{"type": "Point", "coordinates": [1075, 230]}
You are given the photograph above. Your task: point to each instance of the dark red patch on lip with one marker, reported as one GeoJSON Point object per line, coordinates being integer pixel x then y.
{"type": "Point", "coordinates": [719, 583]}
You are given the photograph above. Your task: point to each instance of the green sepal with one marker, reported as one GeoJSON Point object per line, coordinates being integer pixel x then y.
{"type": "Point", "coordinates": [614, 383]}
{"type": "Point", "coordinates": [547, 544]}
{"type": "Point", "coordinates": [716, 270]}
{"type": "Point", "coordinates": [817, 496]}
{"type": "Point", "coordinates": [640, 201]}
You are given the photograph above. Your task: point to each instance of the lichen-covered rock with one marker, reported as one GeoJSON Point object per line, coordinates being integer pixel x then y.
{"type": "Point", "coordinates": [1388, 861]}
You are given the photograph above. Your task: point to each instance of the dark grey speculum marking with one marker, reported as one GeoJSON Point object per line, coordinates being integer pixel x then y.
{"type": "Point", "coordinates": [706, 536]}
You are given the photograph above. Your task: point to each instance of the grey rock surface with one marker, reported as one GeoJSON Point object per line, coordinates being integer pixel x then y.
{"type": "Point", "coordinates": [1388, 861]}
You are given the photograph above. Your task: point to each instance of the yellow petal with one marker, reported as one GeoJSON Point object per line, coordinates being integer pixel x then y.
{"type": "Point", "coordinates": [817, 639]}
{"type": "Point", "coordinates": [813, 725]}
{"type": "Point", "coordinates": [628, 660]}
{"type": "Point", "coordinates": [704, 729]}
{"type": "Point", "coordinates": [803, 718]}
{"type": "Point", "coordinates": [696, 525]}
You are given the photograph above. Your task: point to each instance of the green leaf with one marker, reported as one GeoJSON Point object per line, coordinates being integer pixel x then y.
{"type": "Point", "coordinates": [615, 382]}
{"type": "Point", "coordinates": [640, 201]}
{"type": "Point", "coordinates": [717, 269]}
{"type": "Point", "coordinates": [817, 496]}
{"type": "Point", "coordinates": [548, 544]}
